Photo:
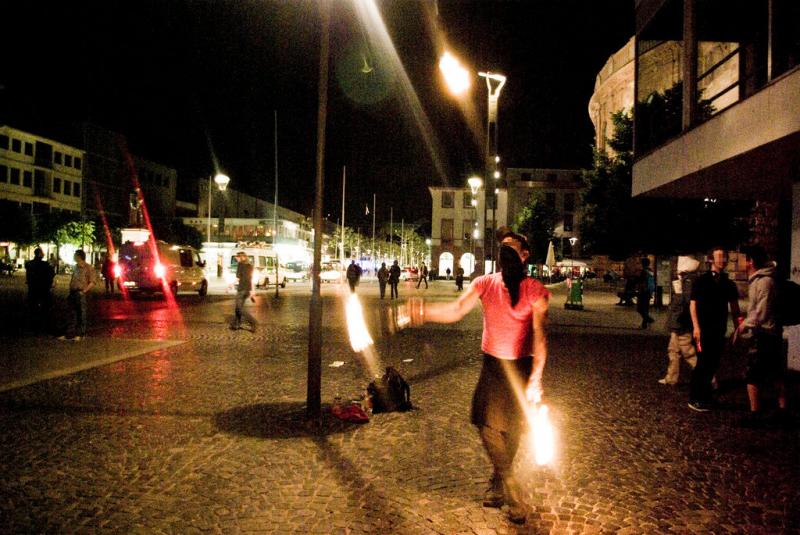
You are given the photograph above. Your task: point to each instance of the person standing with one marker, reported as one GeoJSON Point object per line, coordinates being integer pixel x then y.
{"type": "Point", "coordinates": [447, 272]}
{"type": "Point", "coordinates": [763, 334]}
{"type": "Point", "coordinates": [353, 275]}
{"type": "Point", "coordinates": [383, 277]}
{"type": "Point", "coordinates": [645, 288]}
{"type": "Point", "coordinates": [712, 293]}
{"type": "Point", "coordinates": [244, 290]}
{"type": "Point", "coordinates": [83, 279]}
{"type": "Point", "coordinates": [107, 270]}
{"type": "Point", "coordinates": [679, 321]}
{"type": "Point", "coordinates": [514, 344]}
{"type": "Point", "coordinates": [459, 278]}
{"type": "Point", "coordinates": [39, 277]}
{"type": "Point", "coordinates": [423, 275]}
{"type": "Point", "coordinates": [394, 279]}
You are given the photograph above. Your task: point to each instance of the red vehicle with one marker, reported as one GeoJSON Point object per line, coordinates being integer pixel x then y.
{"type": "Point", "coordinates": [409, 274]}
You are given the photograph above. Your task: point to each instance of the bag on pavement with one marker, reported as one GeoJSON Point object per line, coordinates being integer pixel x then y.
{"type": "Point", "coordinates": [390, 393]}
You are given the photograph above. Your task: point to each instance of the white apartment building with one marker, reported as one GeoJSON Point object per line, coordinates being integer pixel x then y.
{"type": "Point", "coordinates": [39, 174]}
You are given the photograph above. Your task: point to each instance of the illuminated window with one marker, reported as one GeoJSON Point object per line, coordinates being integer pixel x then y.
{"type": "Point", "coordinates": [447, 199]}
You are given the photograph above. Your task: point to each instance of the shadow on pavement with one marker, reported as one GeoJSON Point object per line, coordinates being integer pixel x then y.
{"type": "Point", "coordinates": [278, 420]}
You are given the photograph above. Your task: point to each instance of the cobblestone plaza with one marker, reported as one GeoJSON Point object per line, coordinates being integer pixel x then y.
{"type": "Point", "coordinates": [203, 430]}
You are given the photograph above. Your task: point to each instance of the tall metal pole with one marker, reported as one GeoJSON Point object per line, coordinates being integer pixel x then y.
{"type": "Point", "coordinates": [391, 229]}
{"type": "Point", "coordinates": [493, 95]}
{"type": "Point", "coordinates": [314, 383]}
{"type": "Point", "coordinates": [344, 175]}
{"type": "Point", "coordinates": [208, 236]}
{"type": "Point", "coordinates": [275, 212]}
{"type": "Point", "coordinates": [374, 264]}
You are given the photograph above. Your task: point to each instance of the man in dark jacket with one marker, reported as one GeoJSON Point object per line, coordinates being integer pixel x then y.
{"type": "Point", "coordinates": [39, 276]}
{"type": "Point", "coordinates": [383, 278]}
{"type": "Point", "coordinates": [394, 278]}
{"type": "Point", "coordinates": [353, 275]}
{"type": "Point", "coordinates": [244, 290]}
{"type": "Point", "coordinates": [712, 294]}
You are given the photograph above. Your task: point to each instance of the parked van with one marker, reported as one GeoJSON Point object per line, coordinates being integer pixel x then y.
{"type": "Point", "coordinates": [264, 261]}
{"type": "Point", "coordinates": [175, 267]}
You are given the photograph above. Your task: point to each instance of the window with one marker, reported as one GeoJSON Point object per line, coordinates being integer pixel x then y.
{"type": "Point", "coordinates": [568, 222]}
{"type": "Point", "coordinates": [68, 160]}
{"type": "Point", "coordinates": [447, 199]}
{"type": "Point", "coordinates": [3, 174]}
{"type": "Point", "coordinates": [550, 199]}
{"type": "Point", "coordinates": [57, 157]}
{"type": "Point", "coordinates": [467, 199]}
{"type": "Point", "coordinates": [186, 257]}
{"type": "Point", "coordinates": [447, 230]}
{"type": "Point", "coordinates": [67, 187]}
{"type": "Point", "coordinates": [56, 185]}
{"type": "Point", "coordinates": [16, 145]}
{"type": "Point", "coordinates": [76, 190]}
{"type": "Point", "coordinates": [14, 176]}
{"type": "Point", "coordinates": [4, 141]}
{"type": "Point", "coordinates": [28, 149]}
{"type": "Point", "coordinates": [569, 202]}
{"type": "Point", "coordinates": [27, 179]}
{"type": "Point", "coordinates": [77, 163]}
{"type": "Point", "coordinates": [468, 227]}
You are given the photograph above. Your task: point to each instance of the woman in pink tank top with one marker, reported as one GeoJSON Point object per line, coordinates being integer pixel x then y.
{"type": "Point", "coordinates": [514, 344]}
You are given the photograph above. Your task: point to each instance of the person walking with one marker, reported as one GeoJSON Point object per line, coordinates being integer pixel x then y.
{"type": "Point", "coordinates": [244, 291]}
{"type": "Point", "coordinates": [763, 334]}
{"type": "Point", "coordinates": [353, 275]}
{"type": "Point", "coordinates": [514, 344]}
{"type": "Point", "coordinates": [394, 279]}
{"type": "Point", "coordinates": [39, 277]}
{"type": "Point", "coordinates": [459, 278]}
{"type": "Point", "coordinates": [383, 277]}
{"type": "Point", "coordinates": [679, 321]}
{"type": "Point", "coordinates": [83, 279]}
{"type": "Point", "coordinates": [645, 288]}
{"type": "Point", "coordinates": [423, 275]}
{"type": "Point", "coordinates": [107, 270]}
{"type": "Point", "coordinates": [712, 293]}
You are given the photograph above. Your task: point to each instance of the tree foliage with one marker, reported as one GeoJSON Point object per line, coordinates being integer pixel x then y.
{"type": "Point", "coordinates": [537, 222]}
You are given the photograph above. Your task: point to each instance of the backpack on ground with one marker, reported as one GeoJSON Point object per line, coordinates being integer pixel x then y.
{"type": "Point", "coordinates": [390, 393]}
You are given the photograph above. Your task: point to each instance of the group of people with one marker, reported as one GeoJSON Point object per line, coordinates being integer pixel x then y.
{"type": "Point", "coordinates": [40, 278]}
{"type": "Point", "coordinates": [698, 323]}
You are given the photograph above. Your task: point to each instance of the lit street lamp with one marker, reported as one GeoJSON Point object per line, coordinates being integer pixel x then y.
{"type": "Point", "coordinates": [475, 184]}
{"type": "Point", "coordinates": [222, 184]}
{"type": "Point", "coordinates": [457, 79]}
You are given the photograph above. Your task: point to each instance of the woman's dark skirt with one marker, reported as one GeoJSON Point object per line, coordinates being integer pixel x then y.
{"type": "Point", "coordinates": [500, 393]}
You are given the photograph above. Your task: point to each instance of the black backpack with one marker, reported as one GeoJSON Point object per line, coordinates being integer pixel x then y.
{"type": "Point", "coordinates": [390, 393]}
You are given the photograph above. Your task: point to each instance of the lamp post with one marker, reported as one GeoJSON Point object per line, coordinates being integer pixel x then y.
{"type": "Point", "coordinates": [221, 181]}
{"type": "Point", "coordinates": [457, 79]}
{"type": "Point", "coordinates": [572, 241]}
{"type": "Point", "coordinates": [475, 184]}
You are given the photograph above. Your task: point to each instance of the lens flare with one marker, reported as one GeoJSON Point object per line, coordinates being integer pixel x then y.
{"type": "Point", "coordinates": [356, 326]}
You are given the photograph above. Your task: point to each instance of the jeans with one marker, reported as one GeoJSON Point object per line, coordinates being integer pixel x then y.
{"type": "Point", "coordinates": [707, 364]}
{"type": "Point", "coordinates": [394, 289]}
{"type": "Point", "coordinates": [382, 286]}
{"type": "Point", "coordinates": [501, 447]}
{"type": "Point", "coordinates": [77, 305]}
{"type": "Point", "coordinates": [240, 313]}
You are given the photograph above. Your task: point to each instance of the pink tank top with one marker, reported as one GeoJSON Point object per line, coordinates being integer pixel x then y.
{"type": "Point", "coordinates": [507, 331]}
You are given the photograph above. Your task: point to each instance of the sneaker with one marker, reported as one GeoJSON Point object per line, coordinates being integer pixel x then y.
{"type": "Point", "coordinates": [513, 497]}
{"type": "Point", "coordinates": [493, 497]}
{"type": "Point", "coordinates": [699, 406]}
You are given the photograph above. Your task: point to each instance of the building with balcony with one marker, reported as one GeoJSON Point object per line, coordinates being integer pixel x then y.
{"type": "Point", "coordinates": [560, 189]}
{"type": "Point", "coordinates": [716, 112]}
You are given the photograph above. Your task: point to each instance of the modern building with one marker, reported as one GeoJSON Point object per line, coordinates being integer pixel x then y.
{"type": "Point", "coordinates": [721, 120]}
{"type": "Point", "coordinates": [560, 189]}
{"type": "Point", "coordinates": [457, 228]}
{"type": "Point", "coordinates": [38, 174]}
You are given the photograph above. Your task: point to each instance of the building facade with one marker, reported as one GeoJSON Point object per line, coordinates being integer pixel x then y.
{"type": "Point", "coordinates": [458, 229]}
{"type": "Point", "coordinates": [613, 92]}
{"type": "Point", "coordinates": [560, 189]}
{"type": "Point", "coordinates": [39, 175]}
{"type": "Point", "coordinates": [728, 127]}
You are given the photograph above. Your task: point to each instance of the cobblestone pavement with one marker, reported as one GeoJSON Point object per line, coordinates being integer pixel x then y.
{"type": "Point", "coordinates": [209, 435]}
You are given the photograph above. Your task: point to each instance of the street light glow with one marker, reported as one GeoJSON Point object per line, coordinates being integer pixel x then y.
{"type": "Point", "coordinates": [474, 183]}
{"type": "Point", "coordinates": [222, 181]}
{"type": "Point", "coordinates": [455, 75]}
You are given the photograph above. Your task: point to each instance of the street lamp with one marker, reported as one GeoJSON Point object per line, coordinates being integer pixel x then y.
{"type": "Point", "coordinates": [572, 241]}
{"type": "Point", "coordinates": [222, 184]}
{"type": "Point", "coordinates": [475, 184]}
{"type": "Point", "coordinates": [457, 79]}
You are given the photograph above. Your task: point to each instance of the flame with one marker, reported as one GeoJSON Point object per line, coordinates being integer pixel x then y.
{"type": "Point", "coordinates": [356, 326]}
{"type": "Point", "coordinates": [542, 434]}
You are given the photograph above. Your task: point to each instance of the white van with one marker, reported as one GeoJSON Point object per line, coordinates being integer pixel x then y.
{"type": "Point", "coordinates": [263, 261]}
{"type": "Point", "coordinates": [174, 267]}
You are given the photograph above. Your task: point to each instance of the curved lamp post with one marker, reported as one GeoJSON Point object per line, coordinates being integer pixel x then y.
{"type": "Point", "coordinates": [475, 184]}
{"type": "Point", "coordinates": [221, 181]}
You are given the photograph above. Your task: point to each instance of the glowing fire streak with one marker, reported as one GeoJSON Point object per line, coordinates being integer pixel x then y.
{"type": "Point", "coordinates": [542, 434]}
{"type": "Point", "coordinates": [356, 326]}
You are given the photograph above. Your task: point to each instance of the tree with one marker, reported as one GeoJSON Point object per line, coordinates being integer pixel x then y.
{"type": "Point", "coordinates": [537, 222]}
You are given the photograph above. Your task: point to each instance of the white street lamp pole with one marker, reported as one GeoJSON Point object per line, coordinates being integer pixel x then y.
{"type": "Point", "coordinates": [494, 84]}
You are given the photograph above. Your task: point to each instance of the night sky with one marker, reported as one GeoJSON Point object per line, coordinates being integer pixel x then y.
{"type": "Point", "coordinates": [172, 75]}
